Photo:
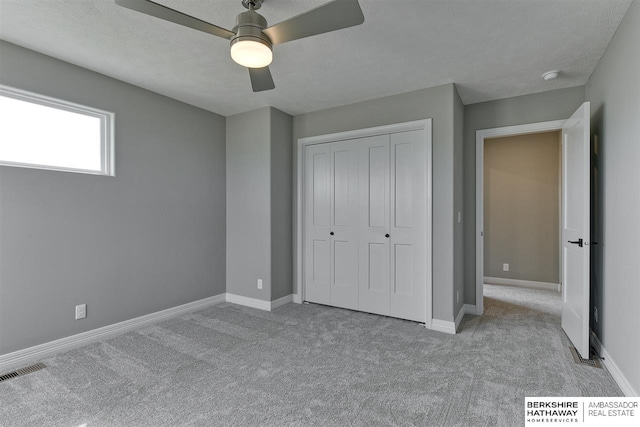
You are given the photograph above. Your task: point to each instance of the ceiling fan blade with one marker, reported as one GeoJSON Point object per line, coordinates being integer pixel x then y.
{"type": "Point", "coordinates": [332, 16]}
{"type": "Point", "coordinates": [168, 14]}
{"type": "Point", "coordinates": [261, 79]}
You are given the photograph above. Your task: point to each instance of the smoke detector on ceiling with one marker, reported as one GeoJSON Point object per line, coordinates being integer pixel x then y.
{"type": "Point", "coordinates": [551, 75]}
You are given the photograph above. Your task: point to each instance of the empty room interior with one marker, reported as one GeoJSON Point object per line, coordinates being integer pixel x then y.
{"type": "Point", "coordinates": [347, 212]}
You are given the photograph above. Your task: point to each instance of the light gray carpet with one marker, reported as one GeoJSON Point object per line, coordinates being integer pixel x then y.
{"type": "Point", "coordinates": [311, 365]}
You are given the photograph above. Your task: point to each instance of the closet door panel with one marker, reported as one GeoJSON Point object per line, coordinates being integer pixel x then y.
{"type": "Point", "coordinates": [403, 176]}
{"type": "Point", "coordinates": [408, 182]}
{"type": "Point", "coordinates": [378, 269]}
{"type": "Point", "coordinates": [376, 181]}
{"type": "Point", "coordinates": [365, 224]}
{"type": "Point", "coordinates": [403, 270]}
{"type": "Point", "coordinates": [344, 224]}
{"type": "Point", "coordinates": [317, 217]}
{"type": "Point", "coordinates": [374, 221]}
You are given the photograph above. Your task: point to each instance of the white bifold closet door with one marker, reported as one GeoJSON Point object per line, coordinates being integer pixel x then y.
{"type": "Point", "coordinates": [392, 238]}
{"type": "Point", "coordinates": [331, 210]}
{"type": "Point", "coordinates": [374, 225]}
{"type": "Point", "coordinates": [365, 224]}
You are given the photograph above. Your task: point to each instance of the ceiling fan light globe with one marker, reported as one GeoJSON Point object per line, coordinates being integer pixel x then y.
{"type": "Point", "coordinates": [251, 54]}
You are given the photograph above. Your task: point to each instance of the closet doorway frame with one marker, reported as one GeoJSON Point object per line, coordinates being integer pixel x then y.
{"type": "Point", "coordinates": [425, 125]}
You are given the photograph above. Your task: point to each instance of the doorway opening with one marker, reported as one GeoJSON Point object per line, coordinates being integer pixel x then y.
{"type": "Point", "coordinates": [522, 210]}
{"type": "Point", "coordinates": [518, 207]}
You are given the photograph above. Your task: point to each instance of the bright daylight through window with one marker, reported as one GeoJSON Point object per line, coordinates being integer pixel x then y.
{"type": "Point", "coordinates": [46, 133]}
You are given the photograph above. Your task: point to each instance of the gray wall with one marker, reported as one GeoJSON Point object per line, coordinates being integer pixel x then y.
{"type": "Point", "coordinates": [259, 241]}
{"type": "Point", "coordinates": [436, 103]}
{"type": "Point", "coordinates": [458, 203]}
{"type": "Point", "coordinates": [522, 207]}
{"type": "Point", "coordinates": [249, 204]}
{"type": "Point", "coordinates": [148, 239]}
{"type": "Point", "coordinates": [281, 208]}
{"type": "Point", "coordinates": [614, 93]}
{"type": "Point", "coordinates": [538, 107]}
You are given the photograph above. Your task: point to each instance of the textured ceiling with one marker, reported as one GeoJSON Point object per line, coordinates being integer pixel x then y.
{"type": "Point", "coordinates": [490, 48]}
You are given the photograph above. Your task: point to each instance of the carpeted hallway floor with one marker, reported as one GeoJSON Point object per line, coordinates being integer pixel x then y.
{"type": "Point", "coordinates": [310, 365]}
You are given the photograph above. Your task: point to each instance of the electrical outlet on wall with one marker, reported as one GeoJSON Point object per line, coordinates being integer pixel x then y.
{"type": "Point", "coordinates": [505, 267]}
{"type": "Point", "coordinates": [81, 311]}
{"type": "Point", "coordinates": [259, 283]}
{"type": "Point", "coordinates": [595, 314]}
{"type": "Point", "coordinates": [457, 297]}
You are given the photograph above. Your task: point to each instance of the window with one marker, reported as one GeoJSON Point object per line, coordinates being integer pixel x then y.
{"type": "Point", "coordinates": [45, 133]}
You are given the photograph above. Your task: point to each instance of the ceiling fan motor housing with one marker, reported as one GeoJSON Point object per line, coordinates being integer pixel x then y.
{"type": "Point", "coordinates": [249, 26]}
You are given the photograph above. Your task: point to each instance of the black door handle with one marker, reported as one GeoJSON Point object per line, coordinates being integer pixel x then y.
{"type": "Point", "coordinates": [576, 242]}
{"type": "Point", "coordinates": [386, 235]}
{"type": "Point", "coordinates": [331, 233]}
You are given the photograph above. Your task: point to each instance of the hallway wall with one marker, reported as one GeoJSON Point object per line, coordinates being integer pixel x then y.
{"type": "Point", "coordinates": [614, 93]}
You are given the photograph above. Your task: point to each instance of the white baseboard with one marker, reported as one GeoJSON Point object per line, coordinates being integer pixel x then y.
{"type": "Point", "coordinates": [281, 301]}
{"type": "Point", "coordinates": [470, 309]}
{"type": "Point", "coordinates": [249, 302]}
{"type": "Point", "coordinates": [258, 303]}
{"type": "Point", "coordinates": [452, 327]}
{"type": "Point", "coordinates": [522, 283]}
{"type": "Point", "coordinates": [613, 369]}
{"type": "Point", "coordinates": [22, 357]}
{"type": "Point", "coordinates": [443, 326]}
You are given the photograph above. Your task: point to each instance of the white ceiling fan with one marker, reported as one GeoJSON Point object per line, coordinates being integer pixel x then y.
{"type": "Point", "coordinates": [251, 39]}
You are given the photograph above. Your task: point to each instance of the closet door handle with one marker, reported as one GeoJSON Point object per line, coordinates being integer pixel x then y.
{"type": "Point", "coordinates": [331, 233]}
{"type": "Point", "coordinates": [386, 235]}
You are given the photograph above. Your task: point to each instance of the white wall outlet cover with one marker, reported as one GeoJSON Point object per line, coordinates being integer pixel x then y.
{"type": "Point", "coordinates": [81, 311]}
{"type": "Point", "coordinates": [259, 283]}
{"type": "Point", "coordinates": [505, 267]}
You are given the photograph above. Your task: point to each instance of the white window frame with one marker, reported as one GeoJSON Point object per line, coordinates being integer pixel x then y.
{"type": "Point", "coordinates": [107, 119]}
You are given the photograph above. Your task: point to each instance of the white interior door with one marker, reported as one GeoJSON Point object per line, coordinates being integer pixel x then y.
{"type": "Point", "coordinates": [576, 203]}
{"type": "Point", "coordinates": [317, 215]}
{"type": "Point", "coordinates": [407, 230]}
{"type": "Point", "coordinates": [344, 224]}
{"type": "Point", "coordinates": [374, 224]}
